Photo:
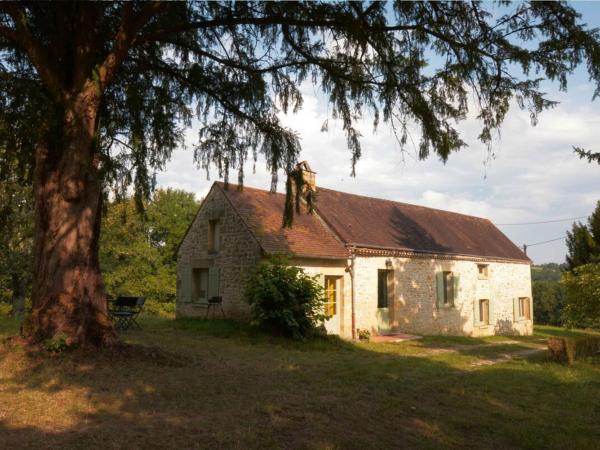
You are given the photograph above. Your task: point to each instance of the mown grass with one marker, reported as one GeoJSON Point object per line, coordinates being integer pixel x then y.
{"type": "Point", "coordinates": [224, 385]}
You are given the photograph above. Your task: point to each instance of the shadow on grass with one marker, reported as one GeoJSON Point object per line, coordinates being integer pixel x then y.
{"type": "Point", "coordinates": [238, 388]}
{"type": "Point", "coordinates": [542, 331]}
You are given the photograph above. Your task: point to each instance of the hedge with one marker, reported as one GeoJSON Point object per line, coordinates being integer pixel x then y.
{"type": "Point", "coordinates": [568, 349]}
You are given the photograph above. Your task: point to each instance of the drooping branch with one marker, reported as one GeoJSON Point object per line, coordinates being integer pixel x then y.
{"type": "Point", "coordinates": [130, 25]}
{"type": "Point", "coordinates": [587, 154]}
{"type": "Point", "coordinates": [22, 36]}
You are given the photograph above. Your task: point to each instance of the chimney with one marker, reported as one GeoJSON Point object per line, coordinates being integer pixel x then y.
{"type": "Point", "coordinates": [303, 176]}
{"type": "Point", "coordinates": [309, 178]}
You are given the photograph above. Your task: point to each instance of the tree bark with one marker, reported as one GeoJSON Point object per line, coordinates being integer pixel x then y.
{"type": "Point", "coordinates": [68, 295]}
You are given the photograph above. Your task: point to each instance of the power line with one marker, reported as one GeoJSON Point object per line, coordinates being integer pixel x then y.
{"type": "Point", "coordinates": [545, 242]}
{"type": "Point", "coordinates": [526, 246]}
{"type": "Point", "coordinates": [543, 221]}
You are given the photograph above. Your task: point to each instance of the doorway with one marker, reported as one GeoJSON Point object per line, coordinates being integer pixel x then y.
{"type": "Point", "coordinates": [385, 290]}
{"type": "Point", "coordinates": [333, 304]}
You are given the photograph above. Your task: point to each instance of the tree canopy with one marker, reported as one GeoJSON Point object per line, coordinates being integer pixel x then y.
{"type": "Point", "coordinates": [96, 96]}
{"type": "Point", "coordinates": [235, 65]}
{"type": "Point", "coordinates": [137, 250]}
{"type": "Point", "coordinates": [583, 241]}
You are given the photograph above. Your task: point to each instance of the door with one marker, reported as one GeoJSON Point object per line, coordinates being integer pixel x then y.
{"type": "Point", "coordinates": [333, 290]}
{"type": "Point", "coordinates": [384, 295]}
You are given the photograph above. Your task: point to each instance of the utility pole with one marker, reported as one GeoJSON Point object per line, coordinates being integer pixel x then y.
{"type": "Point", "coordinates": [525, 249]}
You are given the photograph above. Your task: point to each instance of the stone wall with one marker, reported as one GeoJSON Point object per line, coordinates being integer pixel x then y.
{"type": "Point", "coordinates": [414, 297]}
{"type": "Point", "coordinates": [413, 301]}
{"type": "Point", "coordinates": [322, 267]}
{"type": "Point", "coordinates": [238, 253]}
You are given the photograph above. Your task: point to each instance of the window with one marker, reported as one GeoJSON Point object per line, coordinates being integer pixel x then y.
{"type": "Point", "coordinates": [199, 284]}
{"type": "Point", "coordinates": [484, 312]}
{"type": "Point", "coordinates": [331, 294]}
{"type": "Point", "coordinates": [447, 289]}
{"type": "Point", "coordinates": [213, 236]}
{"type": "Point", "coordinates": [384, 287]}
{"type": "Point", "coordinates": [524, 308]}
{"type": "Point", "coordinates": [483, 271]}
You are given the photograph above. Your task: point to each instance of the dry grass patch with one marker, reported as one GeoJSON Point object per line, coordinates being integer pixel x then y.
{"type": "Point", "coordinates": [221, 385]}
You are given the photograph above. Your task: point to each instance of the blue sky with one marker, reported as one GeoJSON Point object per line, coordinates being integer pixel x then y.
{"type": "Point", "coordinates": [533, 176]}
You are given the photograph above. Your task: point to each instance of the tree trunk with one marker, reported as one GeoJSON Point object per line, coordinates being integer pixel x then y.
{"type": "Point", "coordinates": [68, 296]}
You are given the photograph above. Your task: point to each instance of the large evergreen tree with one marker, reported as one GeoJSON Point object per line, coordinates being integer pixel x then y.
{"type": "Point", "coordinates": [98, 95]}
{"type": "Point", "coordinates": [583, 241]}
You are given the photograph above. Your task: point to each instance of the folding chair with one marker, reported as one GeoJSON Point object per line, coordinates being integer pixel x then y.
{"type": "Point", "coordinates": [125, 310]}
{"type": "Point", "coordinates": [213, 303]}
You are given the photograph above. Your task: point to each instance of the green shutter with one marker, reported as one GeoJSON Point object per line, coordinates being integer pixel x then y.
{"type": "Point", "coordinates": [515, 309]}
{"type": "Point", "coordinates": [439, 277]}
{"type": "Point", "coordinates": [476, 320]}
{"type": "Point", "coordinates": [531, 309]}
{"type": "Point", "coordinates": [213, 282]}
{"type": "Point", "coordinates": [455, 280]}
{"type": "Point", "coordinates": [185, 287]}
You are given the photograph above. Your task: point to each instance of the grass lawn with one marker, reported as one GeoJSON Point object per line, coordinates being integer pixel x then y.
{"type": "Point", "coordinates": [222, 385]}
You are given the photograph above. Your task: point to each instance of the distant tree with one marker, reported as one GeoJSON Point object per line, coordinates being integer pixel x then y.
{"type": "Point", "coordinates": [16, 233]}
{"type": "Point", "coordinates": [582, 288]}
{"type": "Point", "coordinates": [136, 250]}
{"type": "Point", "coordinates": [99, 94]}
{"type": "Point", "coordinates": [547, 272]}
{"type": "Point", "coordinates": [583, 241]}
{"type": "Point", "coordinates": [169, 215]}
{"type": "Point", "coordinates": [548, 301]}
{"type": "Point", "coordinates": [548, 293]}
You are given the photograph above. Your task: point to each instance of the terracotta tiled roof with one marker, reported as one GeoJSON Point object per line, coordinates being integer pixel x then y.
{"type": "Point", "coordinates": [375, 223]}
{"type": "Point", "coordinates": [366, 222]}
{"type": "Point", "coordinates": [262, 211]}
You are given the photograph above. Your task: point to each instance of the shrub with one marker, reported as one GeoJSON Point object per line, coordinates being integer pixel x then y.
{"type": "Point", "coordinates": [363, 335]}
{"type": "Point", "coordinates": [160, 309]}
{"type": "Point", "coordinates": [5, 309]}
{"type": "Point", "coordinates": [57, 344]}
{"type": "Point", "coordinates": [284, 299]}
{"type": "Point", "coordinates": [568, 349]}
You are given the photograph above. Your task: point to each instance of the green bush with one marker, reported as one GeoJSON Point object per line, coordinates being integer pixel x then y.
{"type": "Point", "coordinates": [568, 349]}
{"type": "Point", "coordinates": [363, 334]}
{"type": "Point", "coordinates": [57, 344]}
{"type": "Point", "coordinates": [5, 309]}
{"type": "Point", "coordinates": [284, 299]}
{"type": "Point", "coordinates": [160, 309]}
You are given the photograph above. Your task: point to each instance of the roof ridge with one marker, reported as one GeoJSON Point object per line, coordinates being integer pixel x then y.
{"type": "Point", "coordinates": [366, 197]}
{"type": "Point", "coordinates": [407, 204]}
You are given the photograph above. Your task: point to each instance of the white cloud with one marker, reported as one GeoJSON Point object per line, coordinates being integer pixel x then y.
{"type": "Point", "coordinates": [533, 176]}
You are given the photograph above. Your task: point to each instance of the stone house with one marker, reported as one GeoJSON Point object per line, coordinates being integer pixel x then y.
{"type": "Point", "coordinates": [386, 266]}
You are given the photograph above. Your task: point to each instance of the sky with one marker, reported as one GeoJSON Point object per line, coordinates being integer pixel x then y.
{"type": "Point", "coordinates": [533, 176]}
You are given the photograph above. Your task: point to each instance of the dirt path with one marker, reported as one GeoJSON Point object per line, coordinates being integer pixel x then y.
{"type": "Point", "coordinates": [536, 347]}
{"type": "Point", "coordinates": [504, 357]}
